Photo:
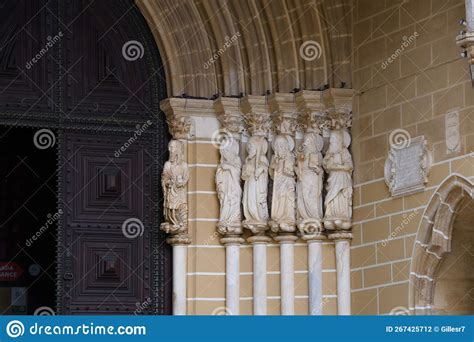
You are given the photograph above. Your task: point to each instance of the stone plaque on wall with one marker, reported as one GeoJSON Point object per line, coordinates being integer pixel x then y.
{"type": "Point", "coordinates": [453, 139]}
{"type": "Point", "coordinates": [407, 167]}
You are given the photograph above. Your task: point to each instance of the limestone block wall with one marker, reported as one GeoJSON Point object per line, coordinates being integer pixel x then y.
{"type": "Point", "coordinates": [407, 74]}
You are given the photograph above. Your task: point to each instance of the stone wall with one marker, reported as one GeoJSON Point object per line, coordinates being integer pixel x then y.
{"type": "Point", "coordinates": [408, 75]}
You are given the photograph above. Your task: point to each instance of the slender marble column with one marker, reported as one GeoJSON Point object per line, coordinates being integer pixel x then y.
{"type": "Point", "coordinates": [259, 273]}
{"type": "Point", "coordinates": [315, 273]}
{"type": "Point", "coordinates": [343, 268]}
{"type": "Point", "coordinates": [232, 251]}
{"type": "Point", "coordinates": [180, 254]}
{"type": "Point", "coordinates": [287, 271]}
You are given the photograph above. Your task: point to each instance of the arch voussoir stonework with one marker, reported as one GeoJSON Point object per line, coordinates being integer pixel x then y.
{"type": "Point", "coordinates": [433, 240]}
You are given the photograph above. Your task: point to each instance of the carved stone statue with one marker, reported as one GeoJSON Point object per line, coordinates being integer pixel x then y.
{"type": "Point", "coordinates": [338, 164]}
{"type": "Point", "coordinates": [229, 190]}
{"type": "Point", "coordinates": [282, 172]}
{"type": "Point", "coordinates": [174, 180]}
{"type": "Point", "coordinates": [310, 184]}
{"type": "Point", "coordinates": [255, 175]}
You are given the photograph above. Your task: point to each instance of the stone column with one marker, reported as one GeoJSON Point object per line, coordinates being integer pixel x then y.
{"type": "Point", "coordinates": [174, 182]}
{"type": "Point", "coordinates": [230, 195]}
{"type": "Point", "coordinates": [255, 174]}
{"type": "Point", "coordinates": [311, 175]}
{"type": "Point", "coordinates": [283, 211]}
{"type": "Point", "coordinates": [180, 261]}
{"type": "Point", "coordinates": [338, 202]}
{"type": "Point", "coordinates": [343, 269]}
{"type": "Point", "coordinates": [315, 273]}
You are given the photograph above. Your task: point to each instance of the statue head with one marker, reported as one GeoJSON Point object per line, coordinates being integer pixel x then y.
{"type": "Point", "coordinates": [175, 147]}
{"type": "Point", "coordinates": [256, 144]}
{"type": "Point", "coordinates": [283, 145]}
{"type": "Point", "coordinates": [339, 140]}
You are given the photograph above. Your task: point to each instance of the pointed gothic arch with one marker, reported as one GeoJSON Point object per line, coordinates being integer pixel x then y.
{"type": "Point", "coordinates": [433, 241]}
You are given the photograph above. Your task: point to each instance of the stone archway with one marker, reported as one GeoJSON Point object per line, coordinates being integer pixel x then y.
{"type": "Point", "coordinates": [433, 241]}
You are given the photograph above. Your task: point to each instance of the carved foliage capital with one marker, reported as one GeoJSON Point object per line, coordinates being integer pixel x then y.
{"type": "Point", "coordinates": [229, 114]}
{"type": "Point", "coordinates": [339, 119]}
{"type": "Point", "coordinates": [258, 123]}
{"type": "Point", "coordinates": [180, 128]}
{"type": "Point", "coordinates": [310, 121]}
{"type": "Point", "coordinates": [284, 123]}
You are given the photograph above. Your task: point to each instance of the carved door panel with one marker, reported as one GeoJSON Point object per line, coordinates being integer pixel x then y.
{"type": "Point", "coordinates": [62, 68]}
{"type": "Point", "coordinates": [106, 257]}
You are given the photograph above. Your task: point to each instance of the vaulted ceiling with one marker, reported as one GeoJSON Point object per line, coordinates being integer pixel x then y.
{"type": "Point", "coordinates": [264, 53]}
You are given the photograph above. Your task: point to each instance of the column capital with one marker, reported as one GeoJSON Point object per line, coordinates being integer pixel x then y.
{"type": "Point", "coordinates": [284, 113]}
{"type": "Point", "coordinates": [312, 110]}
{"type": "Point", "coordinates": [257, 113]}
{"type": "Point", "coordinates": [184, 114]}
{"type": "Point", "coordinates": [230, 116]}
{"type": "Point", "coordinates": [339, 105]}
